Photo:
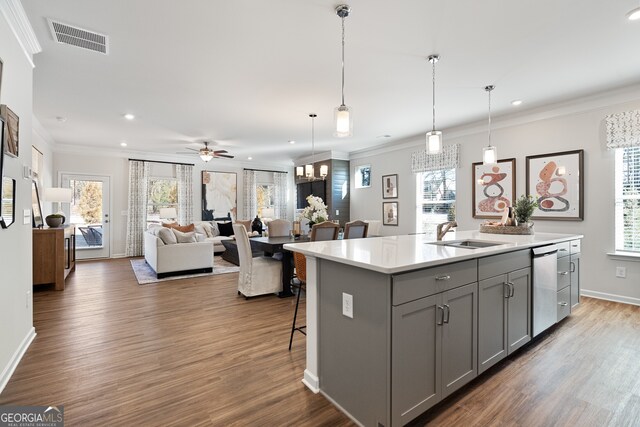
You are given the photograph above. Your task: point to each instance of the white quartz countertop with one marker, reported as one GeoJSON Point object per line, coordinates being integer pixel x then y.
{"type": "Point", "coordinates": [396, 254]}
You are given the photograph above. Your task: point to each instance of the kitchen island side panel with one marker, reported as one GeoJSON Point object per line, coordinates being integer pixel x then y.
{"type": "Point", "coordinates": [354, 365]}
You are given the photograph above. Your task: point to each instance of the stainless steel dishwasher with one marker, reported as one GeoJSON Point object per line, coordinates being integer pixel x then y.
{"type": "Point", "coordinates": [545, 287]}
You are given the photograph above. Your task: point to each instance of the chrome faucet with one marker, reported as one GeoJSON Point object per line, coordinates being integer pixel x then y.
{"type": "Point", "coordinates": [444, 228]}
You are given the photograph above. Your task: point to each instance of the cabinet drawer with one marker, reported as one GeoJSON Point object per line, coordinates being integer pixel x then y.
{"type": "Point", "coordinates": [418, 284]}
{"type": "Point", "coordinates": [563, 249]}
{"type": "Point", "coordinates": [564, 303]}
{"type": "Point", "coordinates": [564, 272]}
{"type": "Point", "coordinates": [575, 247]}
{"type": "Point", "coordinates": [504, 263]}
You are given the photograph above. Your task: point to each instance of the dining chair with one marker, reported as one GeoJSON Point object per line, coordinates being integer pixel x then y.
{"type": "Point", "coordinates": [300, 262]}
{"type": "Point", "coordinates": [324, 231]}
{"type": "Point", "coordinates": [259, 275]}
{"type": "Point", "coordinates": [374, 227]}
{"type": "Point", "coordinates": [279, 228]}
{"type": "Point", "coordinates": [355, 230]}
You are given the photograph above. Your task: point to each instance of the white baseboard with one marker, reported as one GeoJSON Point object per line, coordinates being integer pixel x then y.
{"type": "Point", "coordinates": [311, 381]}
{"type": "Point", "coordinates": [610, 297]}
{"type": "Point", "coordinates": [17, 357]}
{"type": "Point", "coordinates": [118, 255]}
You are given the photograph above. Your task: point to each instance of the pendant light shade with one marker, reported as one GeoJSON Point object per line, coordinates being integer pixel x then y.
{"type": "Point", "coordinates": [308, 171]}
{"type": "Point", "coordinates": [324, 171]}
{"type": "Point", "coordinates": [489, 153]}
{"type": "Point", "coordinates": [434, 137]}
{"type": "Point", "coordinates": [299, 170]}
{"type": "Point", "coordinates": [342, 115]}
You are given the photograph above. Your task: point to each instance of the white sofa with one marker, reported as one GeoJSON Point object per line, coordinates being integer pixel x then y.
{"type": "Point", "coordinates": [216, 239]}
{"type": "Point", "coordinates": [176, 258]}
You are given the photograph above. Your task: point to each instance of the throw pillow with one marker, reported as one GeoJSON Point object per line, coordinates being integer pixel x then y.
{"type": "Point", "coordinates": [226, 228]}
{"type": "Point", "coordinates": [199, 229]}
{"type": "Point", "coordinates": [182, 228]}
{"type": "Point", "coordinates": [206, 227]}
{"type": "Point", "coordinates": [185, 237]}
{"type": "Point", "coordinates": [215, 231]}
{"type": "Point", "coordinates": [167, 236]}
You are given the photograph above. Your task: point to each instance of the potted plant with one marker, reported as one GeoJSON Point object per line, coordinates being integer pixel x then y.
{"type": "Point", "coordinates": [524, 207]}
{"type": "Point", "coordinates": [316, 211]}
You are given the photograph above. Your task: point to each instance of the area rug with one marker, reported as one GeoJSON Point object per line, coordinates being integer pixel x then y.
{"type": "Point", "coordinates": [145, 274]}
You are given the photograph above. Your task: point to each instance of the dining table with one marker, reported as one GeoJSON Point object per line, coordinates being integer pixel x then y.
{"type": "Point", "coordinates": [273, 245]}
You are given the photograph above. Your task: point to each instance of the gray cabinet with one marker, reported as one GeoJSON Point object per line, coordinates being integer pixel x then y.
{"type": "Point", "coordinates": [504, 322]}
{"type": "Point", "coordinates": [574, 266]}
{"type": "Point", "coordinates": [504, 306]}
{"type": "Point", "coordinates": [434, 350]}
{"type": "Point", "coordinates": [568, 277]}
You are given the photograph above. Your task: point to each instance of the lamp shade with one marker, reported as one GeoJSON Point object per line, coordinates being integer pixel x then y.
{"type": "Point", "coordinates": [324, 170]}
{"type": "Point", "coordinates": [434, 142]}
{"type": "Point", "coordinates": [308, 171]}
{"type": "Point", "coordinates": [268, 213]}
{"type": "Point", "coordinates": [299, 171]}
{"type": "Point", "coordinates": [168, 213]}
{"type": "Point", "coordinates": [343, 118]}
{"type": "Point", "coordinates": [56, 194]}
{"type": "Point", "coordinates": [489, 155]}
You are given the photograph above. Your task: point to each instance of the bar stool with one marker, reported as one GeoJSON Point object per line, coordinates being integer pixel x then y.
{"type": "Point", "coordinates": [300, 262]}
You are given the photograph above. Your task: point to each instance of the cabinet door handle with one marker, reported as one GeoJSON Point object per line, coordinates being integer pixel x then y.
{"type": "Point", "coordinates": [507, 289]}
{"type": "Point", "coordinates": [563, 273]}
{"type": "Point", "coordinates": [447, 277]}
{"type": "Point", "coordinates": [563, 304]}
{"type": "Point", "coordinates": [573, 266]}
{"type": "Point", "coordinates": [440, 308]}
{"type": "Point", "coordinates": [562, 250]}
{"type": "Point", "coordinates": [68, 254]}
{"type": "Point", "coordinates": [512, 287]}
{"type": "Point", "coordinates": [446, 320]}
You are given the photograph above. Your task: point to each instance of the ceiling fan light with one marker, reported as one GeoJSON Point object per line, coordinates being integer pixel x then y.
{"type": "Point", "coordinates": [634, 15]}
{"type": "Point", "coordinates": [206, 157]}
{"type": "Point", "coordinates": [489, 155]}
{"type": "Point", "coordinates": [434, 142]}
{"type": "Point", "coordinates": [344, 121]}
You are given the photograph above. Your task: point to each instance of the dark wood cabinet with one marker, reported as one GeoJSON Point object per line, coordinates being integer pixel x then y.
{"type": "Point", "coordinates": [54, 255]}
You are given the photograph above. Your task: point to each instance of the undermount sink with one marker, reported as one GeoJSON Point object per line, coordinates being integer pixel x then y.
{"type": "Point", "coordinates": [469, 244]}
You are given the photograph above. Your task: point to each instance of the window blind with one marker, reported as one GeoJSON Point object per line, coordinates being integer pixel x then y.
{"type": "Point", "coordinates": [628, 199]}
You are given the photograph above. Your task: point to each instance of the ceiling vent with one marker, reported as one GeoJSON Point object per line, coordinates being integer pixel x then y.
{"type": "Point", "coordinates": [85, 39]}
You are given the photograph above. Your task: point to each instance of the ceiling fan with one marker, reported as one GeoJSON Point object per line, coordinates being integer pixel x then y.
{"type": "Point", "coordinates": [206, 153]}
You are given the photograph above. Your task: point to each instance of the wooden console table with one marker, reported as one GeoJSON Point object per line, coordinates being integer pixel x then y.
{"type": "Point", "coordinates": [54, 255]}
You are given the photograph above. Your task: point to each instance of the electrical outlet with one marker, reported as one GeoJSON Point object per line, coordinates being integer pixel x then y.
{"type": "Point", "coordinates": [621, 272]}
{"type": "Point", "coordinates": [337, 212]}
{"type": "Point", "coordinates": [347, 305]}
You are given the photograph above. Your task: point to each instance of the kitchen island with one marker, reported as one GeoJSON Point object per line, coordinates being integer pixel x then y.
{"type": "Point", "coordinates": [396, 324]}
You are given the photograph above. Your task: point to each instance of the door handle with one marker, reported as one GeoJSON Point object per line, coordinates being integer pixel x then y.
{"type": "Point", "coordinates": [512, 288]}
{"type": "Point", "coordinates": [563, 304]}
{"type": "Point", "coordinates": [439, 323]}
{"type": "Point", "coordinates": [446, 320]}
{"type": "Point", "coordinates": [563, 273]}
{"type": "Point", "coordinates": [573, 266]}
{"type": "Point", "coordinates": [447, 277]}
{"type": "Point", "coordinates": [507, 290]}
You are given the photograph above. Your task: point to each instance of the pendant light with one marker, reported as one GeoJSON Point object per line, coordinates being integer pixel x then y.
{"type": "Point", "coordinates": [434, 138]}
{"type": "Point", "coordinates": [489, 153]}
{"type": "Point", "coordinates": [309, 170]}
{"type": "Point", "coordinates": [299, 171]}
{"type": "Point", "coordinates": [342, 114]}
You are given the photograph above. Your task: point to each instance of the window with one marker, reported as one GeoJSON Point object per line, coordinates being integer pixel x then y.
{"type": "Point", "coordinates": [436, 193]}
{"type": "Point", "coordinates": [628, 199]}
{"type": "Point", "coordinates": [163, 193]}
{"type": "Point", "coordinates": [264, 196]}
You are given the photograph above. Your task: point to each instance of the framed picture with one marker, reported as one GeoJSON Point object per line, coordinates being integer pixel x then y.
{"type": "Point", "coordinates": [494, 188]}
{"type": "Point", "coordinates": [36, 207]}
{"type": "Point", "coordinates": [0, 76]}
{"type": "Point", "coordinates": [389, 186]}
{"type": "Point", "coordinates": [1, 146]}
{"type": "Point", "coordinates": [556, 181]}
{"type": "Point", "coordinates": [219, 195]}
{"type": "Point", "coordinates": [8, 205]}
{"type": "Point", "coordinates": [363, 176]}
{"type": "Point", "coordinates": [389, 213]}
{"type": "Point", "coordinates": [11, 130]}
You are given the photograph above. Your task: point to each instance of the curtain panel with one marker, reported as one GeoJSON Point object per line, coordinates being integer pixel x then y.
{"type": "Point", "coordinates": [250, 197]}
{"type": "Point", "coordinates": [137, 210]}
{"type": "Point", "coordinates": [448, 158]}
{"type": "Point", "coordinates": [623, 129]}
{"type": "Point", "coordinates": [184, 173]}
{"type": "Point", "coordinates": [281, 190]}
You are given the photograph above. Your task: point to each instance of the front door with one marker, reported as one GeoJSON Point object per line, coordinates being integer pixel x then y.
{"type": "Point", "coordinates": [89, 211]}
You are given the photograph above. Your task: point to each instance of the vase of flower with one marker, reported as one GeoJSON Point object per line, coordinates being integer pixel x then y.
{"type": "Point", "coordinates": [315, 212]}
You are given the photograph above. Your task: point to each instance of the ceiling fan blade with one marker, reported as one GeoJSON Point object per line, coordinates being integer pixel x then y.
{"type": "Point", "coordinates": [220, 151]}
{"type": "Point", "coordinates": [182, 152]}
{"type": "Point", "coordinates": [192, 149]}
{"type": "Point", "coordinates": [223, 155]}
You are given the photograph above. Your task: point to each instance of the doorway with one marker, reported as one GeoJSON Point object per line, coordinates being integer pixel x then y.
{"type": "Point", "coordinates": [89, 211]}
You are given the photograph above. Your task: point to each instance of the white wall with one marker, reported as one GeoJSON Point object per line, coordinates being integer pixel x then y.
{"type": "Point", "coordinates": [518, 136]}
{"type": "Point", "coordinates": [116, 166]}
{"type": "Point", "coordinates": [16, 324]}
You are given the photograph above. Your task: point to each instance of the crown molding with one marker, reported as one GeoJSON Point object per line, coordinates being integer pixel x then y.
{"type": "Point", "coordinates": [17, 19]}
{"type": "Point", "coordinates": [321, 157]}
{"type": "Point", "coordinates": [593, 102]}
{"type": "Point", "coordinates": [43, 133]}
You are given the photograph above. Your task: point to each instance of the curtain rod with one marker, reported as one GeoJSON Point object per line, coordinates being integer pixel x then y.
{"type": "Point", "coordinates": [262, 170]}
{"type": "Point", "coordinates": [167, 163]}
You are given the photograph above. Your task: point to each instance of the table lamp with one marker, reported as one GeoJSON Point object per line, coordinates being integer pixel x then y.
{"type": "Point", "coordinates": [168, 213]}
{"type": "Point", "coordinates": [57, 195]}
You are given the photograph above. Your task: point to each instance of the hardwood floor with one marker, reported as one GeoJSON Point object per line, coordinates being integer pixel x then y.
{"type": "Point", "coordinates": [192, 352]}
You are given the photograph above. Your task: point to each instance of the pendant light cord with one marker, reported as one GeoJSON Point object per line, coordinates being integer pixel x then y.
{"type": "Point", "coordinates": [433, 82]}
{"type": "Point", "coordinates": [489, 90]}
{"type": "Point", "coordinates": [343, 61]}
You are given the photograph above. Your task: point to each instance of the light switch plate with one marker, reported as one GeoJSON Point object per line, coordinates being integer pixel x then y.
{"type": "Point", "coordinates": [621, 272]}
{"type": "Point", "coordinates": [337, 212]}
{"type": "Point", "coordinates": [347, 305]}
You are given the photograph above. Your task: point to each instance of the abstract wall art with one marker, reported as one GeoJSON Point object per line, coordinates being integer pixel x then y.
{"type": "Point", "coordinates": [494, 188]}
{"type": "Point", "coordinates": [363, 176]}
{"type": "Point", "coordinates": [556, 181]}
{"type": "Point", "coordinates": [219, 195]}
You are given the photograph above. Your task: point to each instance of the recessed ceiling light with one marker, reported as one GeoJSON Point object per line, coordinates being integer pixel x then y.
{"type": "Point", "coordinates": [516, 102]}
{"type": "Point", "coordinates": [129, 116]}
{"type": "Point", "coordinates": [61, 119]}
{"type": "Point", "coordinates": [292, 141]}
{"type": "Point", "coordinates": [634, 15]}
{"type": "Point", "coordinates": [123, 144]}
{"type": "Point", "coordinates": [249, 158]}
